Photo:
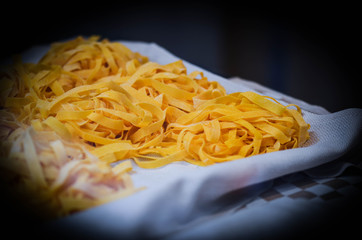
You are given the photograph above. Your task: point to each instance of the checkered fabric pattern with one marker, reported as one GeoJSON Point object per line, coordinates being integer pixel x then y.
{"type": "Point", "coordinates": [302, 186]}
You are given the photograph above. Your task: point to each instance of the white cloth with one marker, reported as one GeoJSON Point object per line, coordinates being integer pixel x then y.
{"type": "Point", "coordinates": [180, 194]}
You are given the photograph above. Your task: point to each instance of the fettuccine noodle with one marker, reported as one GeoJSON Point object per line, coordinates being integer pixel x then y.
{"type": "Point", "coordinates": [115, 105]}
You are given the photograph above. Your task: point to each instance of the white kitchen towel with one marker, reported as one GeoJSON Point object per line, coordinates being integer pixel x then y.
{"type": "Point", "coordinates": [180, 194]}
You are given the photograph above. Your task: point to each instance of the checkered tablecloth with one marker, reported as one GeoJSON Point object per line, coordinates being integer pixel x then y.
{"type": "Point", "coordinates": [302, 186]}
{"type": "Point", "coordinates": [314, 204]}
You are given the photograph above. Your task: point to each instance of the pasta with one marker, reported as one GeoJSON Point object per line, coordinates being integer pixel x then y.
{"type": "Point", "coordinates": [114, 104]}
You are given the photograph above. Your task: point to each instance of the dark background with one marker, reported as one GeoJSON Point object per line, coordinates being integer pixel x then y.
{"type": "Point", "coordinates": [308, 51]}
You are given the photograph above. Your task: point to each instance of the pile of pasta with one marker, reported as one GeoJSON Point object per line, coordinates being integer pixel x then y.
{"type": "Point", "coordinates": [52, 177]}
{"type": "Point", "coordinates": [90, 102]}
